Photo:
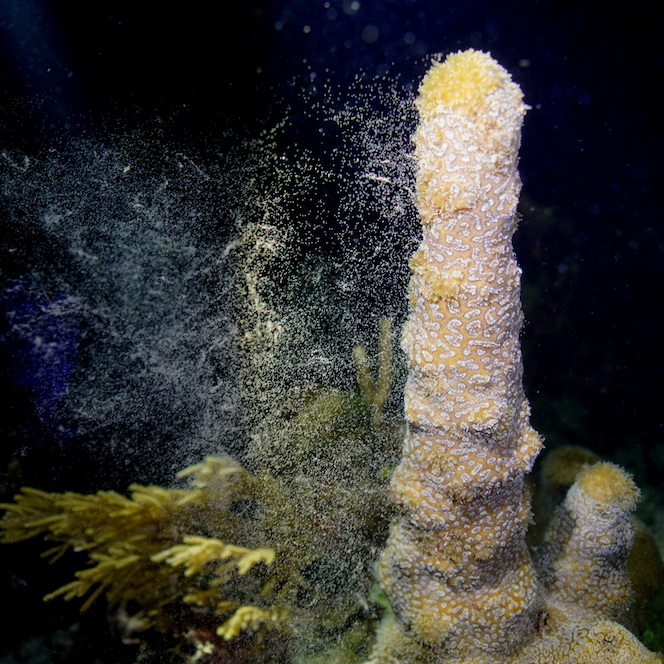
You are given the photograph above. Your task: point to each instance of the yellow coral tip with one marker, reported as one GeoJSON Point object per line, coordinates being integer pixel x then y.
{"type": "Point", "coordinates": [609, 484]}
{"type": "Point", "coordinates": [462, 83]}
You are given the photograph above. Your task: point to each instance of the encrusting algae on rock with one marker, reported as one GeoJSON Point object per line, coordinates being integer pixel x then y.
{"type": "Point", "coordinates": [456, 568]}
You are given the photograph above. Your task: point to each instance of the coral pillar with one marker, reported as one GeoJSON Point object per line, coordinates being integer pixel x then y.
{"type": "Point", "coordinates": [456, 567]}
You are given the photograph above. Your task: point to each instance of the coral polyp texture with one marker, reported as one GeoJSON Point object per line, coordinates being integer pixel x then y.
{"type": "Point", "coordinates": [271, 557]}
{"type": "Point", "coordinates": [456, 567]}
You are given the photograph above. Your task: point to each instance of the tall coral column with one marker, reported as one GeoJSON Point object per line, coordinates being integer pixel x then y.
{"type": "Point", "coordinates": [456, 567]}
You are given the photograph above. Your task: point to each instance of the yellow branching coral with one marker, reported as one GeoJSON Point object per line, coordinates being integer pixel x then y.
{"type": "Point", "coordinates": [211, 470]}
{"type": "Point", "coordinates": [248, 617]}
{"type": "Point", "coordinates": [237, 552]}
{"type": "Point", "coordinates": [86, 522]}
{"type": "Point", "coordinates": [197, 552]}
{"type": "Point", "coordinates": [116, 569]}
{"type": "Point", "coordinates": [135, 543]}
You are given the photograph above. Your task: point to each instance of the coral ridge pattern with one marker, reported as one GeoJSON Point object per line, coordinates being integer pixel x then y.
{"type": "Point", "coordinates": [456, 568]}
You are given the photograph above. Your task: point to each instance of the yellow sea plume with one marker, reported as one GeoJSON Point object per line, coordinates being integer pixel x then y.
{"type": "Point", "coordinates": [197, 552]}
{"type": "Point", "coordinates": [138, 545]}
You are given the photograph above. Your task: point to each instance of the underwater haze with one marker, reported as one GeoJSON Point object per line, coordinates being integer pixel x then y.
{"type": "Point", "coordinates": [206, 220]}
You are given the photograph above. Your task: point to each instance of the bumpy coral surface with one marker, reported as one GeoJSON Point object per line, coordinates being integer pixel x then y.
{"type": "Point", "coordinates": [456, 567]}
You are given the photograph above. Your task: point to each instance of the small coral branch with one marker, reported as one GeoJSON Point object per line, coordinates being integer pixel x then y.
{"type": "Point", "coordinates": [197, 552]}
{"type": "Point", "coordinates": [250, 617]}
{"type": "Point", "coordinates": [377, 390]}
{"type": "Point", "coordinates": [116, 569]}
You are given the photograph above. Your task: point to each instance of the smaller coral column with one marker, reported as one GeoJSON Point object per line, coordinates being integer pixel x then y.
{"type": "Point", "coordinates": [587, 545]}
{"type": "Point", "coordinates": [456, 567]}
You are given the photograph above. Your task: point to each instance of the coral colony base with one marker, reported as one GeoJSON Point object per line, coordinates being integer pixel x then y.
{"type": "Point", "coordinates": [272, 561]}
{"type": "Point", "coordinates": [460, 578]}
